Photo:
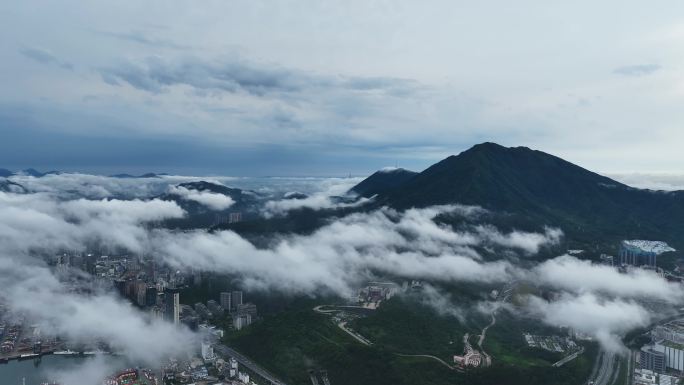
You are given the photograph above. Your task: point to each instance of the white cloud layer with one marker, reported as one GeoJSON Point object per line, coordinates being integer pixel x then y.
{"type": "Point", "coordinates": [604, 319]}
{"type": "Point", "coordinates": [333, 259]}
{"type": "Point", "coordinates": [212, 200]}
{"type": "Point", "coordinates": [572, 274]}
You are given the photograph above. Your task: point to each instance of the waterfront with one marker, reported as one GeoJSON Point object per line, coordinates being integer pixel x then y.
{"type": "Point", "coordinates": [47, 368]}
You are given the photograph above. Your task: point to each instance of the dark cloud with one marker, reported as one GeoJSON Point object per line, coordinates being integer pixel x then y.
{"type": "Point", "coordinates": [45, 57]}
{"type": "Point", "coordinates": [143, 39]}
{"type": "Point", "coordinates": [637, 70]}
{"type": "Point", "coordinates": [233, 75]}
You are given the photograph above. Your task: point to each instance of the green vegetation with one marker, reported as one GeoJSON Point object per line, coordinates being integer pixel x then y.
{"type": "Point", "coordinates": [403, 325]}
{"type": "Point", "coordinates": [539, 189]}
{"type": "Point", "coordinates": [292, 342]}
{"type": "Point", "coordinates": [506, 343]}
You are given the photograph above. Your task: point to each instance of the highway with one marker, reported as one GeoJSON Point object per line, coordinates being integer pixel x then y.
{"type": "Point", "coordinates": [441, 361]}
{"type": "Point", "coordinates": [606, 370]}
{"type": "Point", "coordinates": [226, 351]}
{"type": "Point", "coordinates": [357, 336]}
{"type": "Point", "coordinates": [569, 358]}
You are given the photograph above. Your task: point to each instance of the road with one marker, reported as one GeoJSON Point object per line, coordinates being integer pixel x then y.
{"type": "Point", "coordinates": [441, 361]}
{"type": "Point", "coordinates": [226, 351]}
{"type": "Point", "coordinates": [606, 370]}
{"type": "Point", "coordinates": [503, 296]}
{"type": "Point", "coordinates": [630, 367]}
{"type": "Point", "coordinates": [569, 358]}
{"type": "Point", "coordinates": [357, 336]}
{"type": "Point", "coordinates": [483, 335]}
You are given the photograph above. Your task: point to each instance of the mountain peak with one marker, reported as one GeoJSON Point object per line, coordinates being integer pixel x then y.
{"type": "Point", "coordinates": [382, 181]}
{"type": "Point", "coordinates": [499, 177]}
{"type": "Point", "coordinates": [487, 146]}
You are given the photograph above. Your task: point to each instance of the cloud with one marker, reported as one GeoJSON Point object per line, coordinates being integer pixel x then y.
{"type": "Point", "coordinates": [233, 75]}
{"type": "Point", "coordinates": [528, 242]}
{"type": "Point", "coordinates": [40, 222]}
{"type": "Point", "coordinates": [604, 319]}
{"type": "Point", "coordinates": [33, 290]}
{"type": "Point", "coordinates": [637, 70]}
{"type": "Point", "coordinates": [441, 302]}
{"type": "Point", "coordinates": [335, 259]}
{"type": "Point", "coordinates": [652, 181]}
{"type": "Point", "coordinates": [315, 202]}
{"type": "Point", "coordinates": [92, 371]}
{"type": "Point", "coordinates": [212, 200]}
{"type": "Point", "coordinates": [142, 38]}
{"type": "Point", "coordinates": [571, 274]}
{"type": "Point", "coordinates": [72, 305]}
{"type": "Point", "coordinates": [331, 194]}
{"type": "Point", "coordinates": [44, 56]}
{"type": "Point", "coordinates": [344, 253]}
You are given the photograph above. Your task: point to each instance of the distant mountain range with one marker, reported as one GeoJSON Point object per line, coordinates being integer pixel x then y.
{"type": "Point", "coordinates": [536, 187]}
{"type": "Point", "coordinates": [5, 173]}
{"type": "Point", "coordinates": [129, 176]}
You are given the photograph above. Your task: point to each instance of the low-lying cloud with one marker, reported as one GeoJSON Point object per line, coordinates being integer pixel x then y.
{"type": "Point", "coordinates": [335, 259]}
{"type": "Point", "coordinates": [212, 200]}
{"type": "Point", "coordinates": [341, 255]}
{"type": "Point", "coordinates": [580, 276]}
{"type": "Point", "coordinates": [604, 319]}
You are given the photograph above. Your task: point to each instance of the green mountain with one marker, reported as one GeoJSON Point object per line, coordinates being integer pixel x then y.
{"type": "Point", "coordinates": [383, 181]}
{"type": "Point", "coordinates": [536, 187]}
{"type": "Point", "coordinates": [12, 187]}
{"type": "Point", "coordinates": [199, 215]}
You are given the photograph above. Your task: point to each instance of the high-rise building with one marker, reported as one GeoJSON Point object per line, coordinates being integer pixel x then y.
{"type": "Point", "coordinates": [241, 320]}
{"type": "Point", "coordinates": [673, 354]}
{"type": "Point", "coordinates": [607, 260]}
{"type": "Point", "coordinates": [235, 299]}
{"type": "Point", "coordinates": [652, 360]}
{"type": "Point", "coordinates": [215, 308]}
{"type": "Point", "coordinates": [642, 253]}
{"type": "Point", "coordinates": [172, 306]}
{"type": "Point", "coordinates": [248, 308]}
{"type": "Point", "coordinates": [235, 217]}
{"type": "Point", "coordinates": [225, 301]}
{"type": "Point", "coordinates": [207, 351]}
{"type": "Point", "coordinates": [151, 296]}
{"type": "Point", "coordinates": [140, 292]}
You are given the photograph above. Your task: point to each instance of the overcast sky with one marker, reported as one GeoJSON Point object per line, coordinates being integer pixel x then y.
{"type": "Point", "coordinates": [330, 88]}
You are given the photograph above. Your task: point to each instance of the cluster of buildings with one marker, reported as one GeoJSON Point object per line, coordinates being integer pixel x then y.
{"type": "Point", "coordinates": [374, 293]}
{"type": "Point", "coordinates": [230, 303]}
{"type": "Point", "coordinates": [215, 371]}
{"type": "Point", "coordinates": [132, 377]}
{"type": "Point", "coordinates": [9, 334]}
{"type": "Point", "coordinates": [243, 314]}
{"type": "Point", "coordinates": [21, 340]}
{"type": "Point", "coordinates": [648, 377]}
{"type": "Point", "coordinates": [230, 218]}
{"type": "Point", "coordinates": [155, 288]}
{"type": "Point", "coordinates": [555, 344]}
{"type": "Point", "coordinates": [665, 353]}
{"type": "Point", "coordinates": [636, 253]}
{"type": "Point", "coordinates": [471, 357]}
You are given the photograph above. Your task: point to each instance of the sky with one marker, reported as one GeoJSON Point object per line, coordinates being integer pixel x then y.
{"type": "Point", "coordinates": [332, 88]}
